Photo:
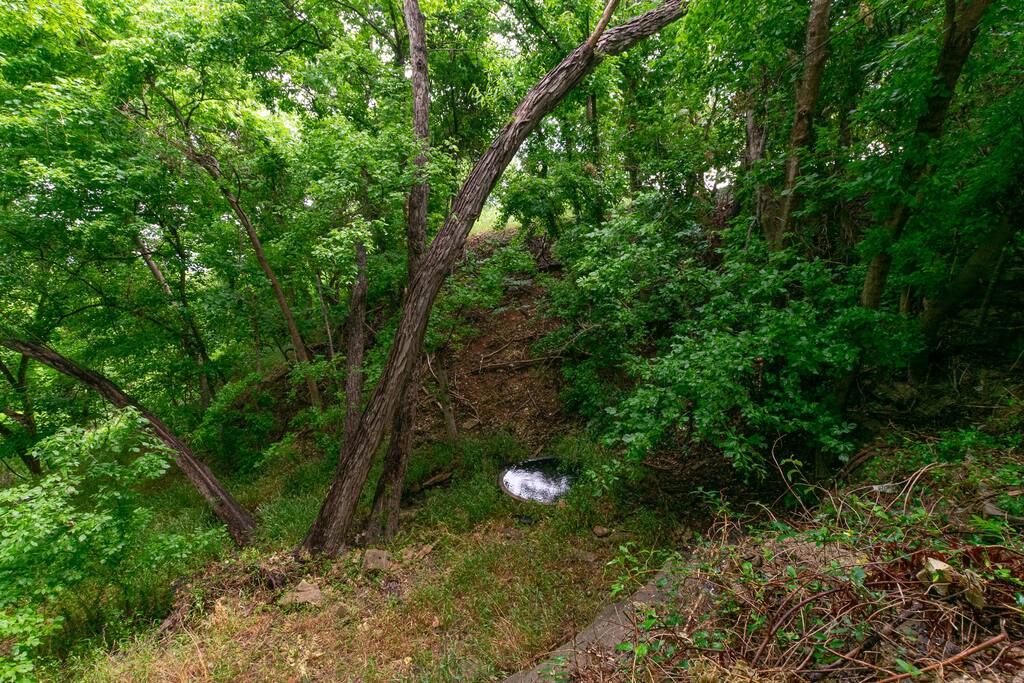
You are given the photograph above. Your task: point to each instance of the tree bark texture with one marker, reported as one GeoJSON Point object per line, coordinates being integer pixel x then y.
{"type": "Point", "coordinates": [354, 351]}
{"type": "Point", "coordinates": [444, 399]}
{"type": "Point", "coordinates": [301, 354]}
{"type": "Point", "coordinates": [387, 499]}
{"type": "Point", "coordinates": [327, 534]}
{"type": "Point", "coordinates": [801, 134]}
{"type": "Point", "coordinates": [961, 30]}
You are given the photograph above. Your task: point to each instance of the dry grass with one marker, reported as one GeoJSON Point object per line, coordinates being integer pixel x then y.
{"type": "Point", "coordinates": [851, 590]}
{"type": "Point", "coordinates": [473, 607]}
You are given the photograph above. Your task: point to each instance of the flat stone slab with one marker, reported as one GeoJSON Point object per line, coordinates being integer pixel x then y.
{"type": "Point", "coordinates": [615, 624]}
{"type": "Point", "coordinates": [305, 593]}
{"type": "Point", "coordinates": [375, 560]}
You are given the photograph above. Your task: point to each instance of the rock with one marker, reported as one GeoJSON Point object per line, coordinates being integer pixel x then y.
{"type": "Point", "coordinates": [602, 532]}
{"type": "Point", "coordinates": [471, 423]}
{"type": "Point", "coordinates": [376, 560]}
{"type": "Point", "coordinates": [974, 591]}
{"type": "Point", "coordinates": [900, 394]}
{"type": "Point", "coordinates": [305, 593]}
{"type": "Point", "coordinates": [755, 559]}
{"type": "Point", "coordinates": [938, 574]}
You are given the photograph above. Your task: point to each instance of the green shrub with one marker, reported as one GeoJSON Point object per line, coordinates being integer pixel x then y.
{"type": "Point", "coordinates": [671, 350]}
{"type": "Point", "coordinates": [76, 549]}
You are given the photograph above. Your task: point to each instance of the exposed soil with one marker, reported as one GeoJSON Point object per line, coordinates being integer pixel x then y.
{"type": "Point", "coordinates": [498, 380]}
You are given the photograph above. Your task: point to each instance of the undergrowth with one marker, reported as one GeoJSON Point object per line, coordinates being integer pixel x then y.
{"type": "Point", "coordinates": [479, 583]}
{"type": "Point", "coordinates": [915, 566]}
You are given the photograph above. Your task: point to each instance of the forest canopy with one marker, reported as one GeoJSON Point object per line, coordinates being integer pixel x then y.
{"type": "Point", "coordinates": [237, 236]}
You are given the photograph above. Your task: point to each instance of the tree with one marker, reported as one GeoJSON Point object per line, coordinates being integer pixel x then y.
{"type": "Point", "coordinates": [801, 133]}
{"type": "Point", "coordinates": [205, 159]}
{"type": "Point", "coordinates": [959, 33]}
{"type": "Point", "coordinates": [26, 417]}
{"type": "Point", "coordinates": [239, 522]}
{"type": "Point", "coordinates": [388, 497]}
{"type": "Point", "coordinates": [327, 534]}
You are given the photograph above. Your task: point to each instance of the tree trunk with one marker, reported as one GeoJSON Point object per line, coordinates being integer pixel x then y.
{"type": "Point", "coordinates": [993, 280]}
{"type": "Point", "coordinates": [593, 120]}
{"type": "Point", "coordinates": [755, 137]}
{"type": "Point", "coordinates": [191, 346]}
{"type": "Point", "coordinates": [961, 30]}
{"type": "Point", "coordinates": [632, 164]}
{"type": "Point", "coordinates": [354, 352]}
{"type": "Point", "coordinates": [30, 461]}
{"type": "Point", "coordinates": [387, 499]}
{"type": "Point", "coordinates": [801, 134]}
{"type": "Point", "coordinates": [301, 354]}
{"type": "Point", "coordinates": [444, 399]}
{"type": "Point", "coordinates": [239, 522]}
{"type": "Point", "coordinates": [326, 316]}
{"type": "Point", "coordinates": [210, 164]}
{"type": "Point", "coordinates": [328, 531]}
{"type": "Point", "coordinates": [969, 279]}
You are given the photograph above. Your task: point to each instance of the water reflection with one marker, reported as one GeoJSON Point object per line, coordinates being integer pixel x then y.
{"type": "Point", "coordinates": [543, 480]}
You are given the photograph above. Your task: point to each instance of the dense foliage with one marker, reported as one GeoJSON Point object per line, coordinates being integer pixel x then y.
{"type": "Point", "coordinates": [77, 549]}
{"type": "Point", "coordinates": [745, 224]}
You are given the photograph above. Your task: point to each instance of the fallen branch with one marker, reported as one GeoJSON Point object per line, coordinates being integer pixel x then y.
{"type": "Point", "coordinates": [869, 642]}
{"type": "Point", "coordinates": [952, 660]}
{"type": "Point", "coordinates": [514, 363]}
{"type": "Point", "coordinates": [779, 623]}
{"type": "Point", "coordinates": [433, 480]}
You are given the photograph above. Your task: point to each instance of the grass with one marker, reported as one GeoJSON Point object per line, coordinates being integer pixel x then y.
{"type": "Point", "coordinates": [482, 584]}
{"type": "Point", "coordinates": [490, 221]}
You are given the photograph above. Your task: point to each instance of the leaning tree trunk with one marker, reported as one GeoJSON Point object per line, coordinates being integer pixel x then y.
{"type": "Point", "coordinates": [301, 354]}
{"type": "Point", "coordinates": [961, 30]}
{"type": "Point", "coordinates": [387, 499]}
{"type": "Point", "coordinates": [190, 345]}
{"type": "Point", "coordinates": [212, 167]}
{"type": "Point", "coordinates": [801, 134]}
{"type": "Point", "coordinates": [239, 522]}
{"type": "Point", "coordinates": [327, 534]}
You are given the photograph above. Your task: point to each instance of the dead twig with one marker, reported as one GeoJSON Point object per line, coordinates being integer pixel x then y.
{"type": "Point", "coordinates": [515, 363]}
{"type": "Point", "coordinates": [952, 660]}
